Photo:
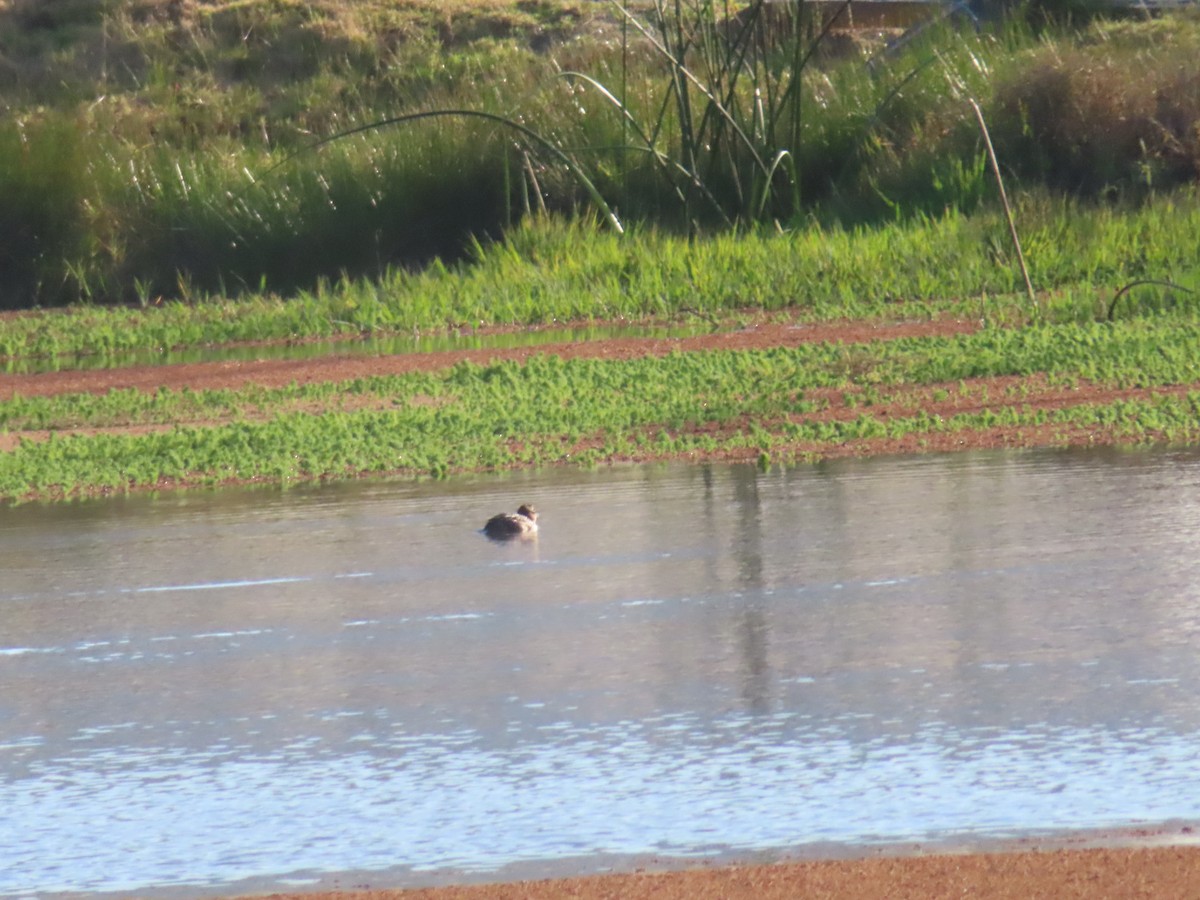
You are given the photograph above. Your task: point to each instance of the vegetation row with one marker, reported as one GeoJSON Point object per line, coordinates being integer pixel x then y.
{"type": "Point", "coordinates": [552, 410]}
{"type": "Point", "coordinates": [561, 272]}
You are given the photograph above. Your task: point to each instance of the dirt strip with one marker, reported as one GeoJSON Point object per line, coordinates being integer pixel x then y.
{"type": "Point", "coordinates": [1162, 873]}
{"type": "Point", "coordinates": [282, 372]}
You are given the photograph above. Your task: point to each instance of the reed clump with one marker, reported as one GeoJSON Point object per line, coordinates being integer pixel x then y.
{"type": "Point", "coordinates": [194, 180]}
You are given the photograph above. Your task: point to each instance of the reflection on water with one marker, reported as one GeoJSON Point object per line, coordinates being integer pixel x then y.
{"type": "Point", "coordinates": [205, 688]}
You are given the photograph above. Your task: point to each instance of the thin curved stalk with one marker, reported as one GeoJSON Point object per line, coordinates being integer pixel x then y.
{"type": "Point", "coordinates": [782, 159]}
{"type": "Point", "coordinates": [1112, 307]}
{"type": "Point", "coordinates": [562, 157]}
{"type": "Point", "coordinates": [1012, 224]}
{"type": "Point", "coordinates": [664, 161]}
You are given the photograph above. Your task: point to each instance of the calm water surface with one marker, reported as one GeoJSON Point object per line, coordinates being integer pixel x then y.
{"type": "Point", "coordinates": [263, 689]}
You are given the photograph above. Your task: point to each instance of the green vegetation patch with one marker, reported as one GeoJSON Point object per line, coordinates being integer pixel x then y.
{"type": "Point", "coordinates": [551, 410]}
{"type": "Point", "coordinates": [553, 394]}
{"type": "Point", "coordinates": [164, 149]}
{"type": "Point", "coordinates": [551, 271]}
{"type": "Point", "coordinates": [345, 445]}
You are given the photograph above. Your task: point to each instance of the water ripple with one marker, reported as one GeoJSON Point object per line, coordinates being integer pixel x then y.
{"type": "Point", "coordinates": [677, 785]}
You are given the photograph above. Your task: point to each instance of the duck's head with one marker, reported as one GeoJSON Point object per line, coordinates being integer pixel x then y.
{"type": "Point", "coordinates": [527, 510]}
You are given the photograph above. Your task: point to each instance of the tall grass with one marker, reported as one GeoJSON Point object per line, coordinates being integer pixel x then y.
{"type": "Point", "coordinates": [736, 101]}
{"type": "Point", "coordinates": [691, 116]}
{"type": "Point", "coordinates": [750, 112]}
{"type": "Point", "coordinates": [551, 271]}
{"type": "Point", "coordinates": [360, 208]}
{"type": "Point", "coordinates": [134, 224]}
{"type": "Point", "coordinates": [43, 218]}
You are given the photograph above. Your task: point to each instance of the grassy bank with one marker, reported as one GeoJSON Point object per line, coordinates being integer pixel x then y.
{"type": "Point", "coordinates": [776, 404]}
{"type": "Point", "coordinates": [156, 150]}
{"type": "Point", "coordinates": [1079, 259]}
{"type": "Point", "coordinates": [158, 162]}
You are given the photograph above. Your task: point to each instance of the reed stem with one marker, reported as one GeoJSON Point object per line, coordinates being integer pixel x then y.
{"type": "Point", "coordinates": [1012, 225]}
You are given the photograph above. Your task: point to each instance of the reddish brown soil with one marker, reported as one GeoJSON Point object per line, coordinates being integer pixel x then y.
{"type": "Point", "coordinates": [281, 372]}
{"type": "Point", "coordinates": [1161, 873]}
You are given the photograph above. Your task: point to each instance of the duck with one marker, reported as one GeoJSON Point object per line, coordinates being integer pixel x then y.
{"type": "Point", "coordinates": [522, 523]}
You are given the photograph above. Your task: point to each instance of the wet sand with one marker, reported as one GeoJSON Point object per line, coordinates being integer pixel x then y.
{"type": "Point", "coordinates": [1103, 872]}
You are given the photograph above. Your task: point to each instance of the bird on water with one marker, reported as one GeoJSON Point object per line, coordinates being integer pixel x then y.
{"type": "Point", "coordinates": [522, 523]}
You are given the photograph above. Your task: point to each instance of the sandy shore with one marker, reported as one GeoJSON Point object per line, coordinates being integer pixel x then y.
{"type": "Point", "coordinates": [1159, 861]}
{"type": "Point", "coordinates": [1106, 872]}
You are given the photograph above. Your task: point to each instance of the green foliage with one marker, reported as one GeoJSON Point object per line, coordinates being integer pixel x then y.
{"type": "Point", "coordinates": [551, 410]}
{"type": "Point", "coordinates": [43, 224]}
{"type": "Point", "coordinates": [551, 271]}
{"type": "Point", "coordinates": [185, 106]}
{"type": "Point", "coordinates": [357, 209]}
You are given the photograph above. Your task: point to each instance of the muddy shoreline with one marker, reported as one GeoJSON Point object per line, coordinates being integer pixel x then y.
{"type": "Point", "coordinates": [1152, 861]}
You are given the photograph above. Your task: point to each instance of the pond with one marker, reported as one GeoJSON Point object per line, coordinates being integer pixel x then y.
{"type": "Point", "coordinates": [254, 689]}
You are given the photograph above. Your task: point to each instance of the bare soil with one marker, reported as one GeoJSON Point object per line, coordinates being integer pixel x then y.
{"type": "Point", "coordinates": [281, 372]}
{"type": "Point", "coordinates": [1161, 873]}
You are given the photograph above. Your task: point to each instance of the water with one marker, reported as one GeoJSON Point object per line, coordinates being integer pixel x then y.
{"type": "Point", "coordinates": [252, 689]}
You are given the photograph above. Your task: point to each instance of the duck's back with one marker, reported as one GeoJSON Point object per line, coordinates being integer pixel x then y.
{"type": "Point", "coordinates": [509, 525]}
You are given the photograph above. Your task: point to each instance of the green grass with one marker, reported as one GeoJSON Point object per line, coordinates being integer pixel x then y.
{"type": "Point", "coordinates": [551, 411]}
{"type": "Point", "coordinates": [186, 108]}
{"type": "Point", "coordinates": [557, 272]}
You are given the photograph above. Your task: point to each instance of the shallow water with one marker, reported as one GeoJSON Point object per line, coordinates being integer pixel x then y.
{"type": "Point", "coordinates": [264, 689]}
